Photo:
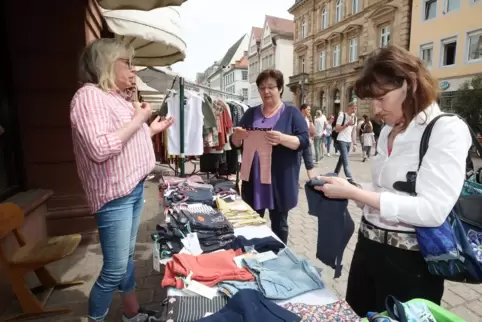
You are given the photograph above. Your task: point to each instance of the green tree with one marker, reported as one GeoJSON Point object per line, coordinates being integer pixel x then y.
{"type": "Point", "coordinates": [468, 103]}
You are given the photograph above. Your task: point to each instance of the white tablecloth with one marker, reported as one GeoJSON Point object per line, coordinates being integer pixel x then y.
{"type": "Point", "coordinates": [317, 297]}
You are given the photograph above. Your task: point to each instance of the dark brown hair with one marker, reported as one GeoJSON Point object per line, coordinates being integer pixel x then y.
{"type": "Point", "coordinates": [274, 74]}
{"type": "Point", "coordinates": [386, 70]}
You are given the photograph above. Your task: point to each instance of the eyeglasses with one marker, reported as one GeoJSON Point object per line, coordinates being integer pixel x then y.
{"type": "Point", "coordinates": [128, 62]}
{"type": "Point", "coordinates": [269, 88]}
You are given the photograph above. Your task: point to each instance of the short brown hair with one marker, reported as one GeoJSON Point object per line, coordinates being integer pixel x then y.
{"type": "Point", "coordinates": [387, 69]}
{"type": "Point", "coordinates": [271, 73]}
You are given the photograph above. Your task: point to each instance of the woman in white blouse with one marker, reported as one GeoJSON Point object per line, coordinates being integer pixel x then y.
{"type": "Point", "coordinates": [386, 260]}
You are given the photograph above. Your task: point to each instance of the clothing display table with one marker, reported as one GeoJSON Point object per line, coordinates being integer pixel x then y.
{"type": "Point", "coordinates": [223, 263]}
{"type": "Point", "coordinates": [317, 297]}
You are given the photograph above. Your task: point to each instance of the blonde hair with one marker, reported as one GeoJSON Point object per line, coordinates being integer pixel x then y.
{"type": "Point", "coordinates": [318, 113]}
{"type": "Point", "coordinates": [97, 62]}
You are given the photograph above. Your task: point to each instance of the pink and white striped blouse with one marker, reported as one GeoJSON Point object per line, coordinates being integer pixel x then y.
{"type": "Point", "coordinates": [108, 169]}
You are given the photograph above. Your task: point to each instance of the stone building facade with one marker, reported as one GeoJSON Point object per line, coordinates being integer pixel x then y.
{"type": "Point", "coordinates": [332, 39]}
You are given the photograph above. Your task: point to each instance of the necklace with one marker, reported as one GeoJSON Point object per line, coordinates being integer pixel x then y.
{"type": "Point", "coordinates": [270, 114]}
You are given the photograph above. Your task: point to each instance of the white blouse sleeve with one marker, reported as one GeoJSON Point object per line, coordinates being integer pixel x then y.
{"type": "Point", "coordinates": [439, 180]}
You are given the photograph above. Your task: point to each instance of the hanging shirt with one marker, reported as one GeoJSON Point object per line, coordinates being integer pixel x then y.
{"type": "Point", "coordinates": [193, 125]}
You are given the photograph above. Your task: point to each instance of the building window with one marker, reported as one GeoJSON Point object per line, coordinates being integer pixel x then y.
{"type": "Point", "coordinates": [384, 36]}
{"type": "Point", "coordinates": [353, 50]}
{"type": "Point", "coordinates": [324, 19]}
{"type": "Point", "coordinates": [449, 51]}
{"type": "Point", "coordinates": [245, 93]}
{"type": "Point", "coordinates": [302, 65]}
{"type": "Point", "coordinates": [322, 62]}
{"type": "Point", "coordinates": [267, 40]}
{"type": "Point", "coordinates": [451, 5]}
{"type": "Point", "coordinates": [303, 29]}
{"type": "Point", "coordinates": [254, 47]}
{"type": "Point", "coordinates": [475, 45]}
{"type": "Point", "coordinates": [426, 54]}
{"type": "Point", "coordinates": [355, 6]}
{"type": "Point", "coordinates": [429, 9]}
{"type": "Point", "coordinates": [336, 55]}
{"type": "Point", "coordinates": [339, 10]}
{"type": "Point", "coordinates": [244, 75]}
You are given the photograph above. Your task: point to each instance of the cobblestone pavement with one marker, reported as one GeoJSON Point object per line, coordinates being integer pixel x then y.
{"type": "Point", "coordinates": [463, 300]}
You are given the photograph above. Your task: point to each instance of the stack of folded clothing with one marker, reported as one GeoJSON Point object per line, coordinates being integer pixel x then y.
{"type": "Point", "coordinates": [239, 213]}
{"type": "Point", "coordinates": [208, 269]}
{"type": "Point", "coordinates": [213, 230]}
{"type": "Point", "coordinates": [189, 192]}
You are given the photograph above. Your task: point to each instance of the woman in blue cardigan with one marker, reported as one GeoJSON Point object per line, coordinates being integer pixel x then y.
{"type": "Point", "coordinates": [288, 136]}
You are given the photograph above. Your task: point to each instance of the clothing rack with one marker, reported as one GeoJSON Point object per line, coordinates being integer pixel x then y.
{"type": "Point", "coordinates": [183, 84]}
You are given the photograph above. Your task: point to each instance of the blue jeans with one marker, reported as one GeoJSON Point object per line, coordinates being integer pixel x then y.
{"type": "Point", "coordinates": [117, 222]}
{"type": "Point", "coordinates": [344, 148]}
{"type": "Point", "coordinates": [328, 143]}
{"type": "Point", "coordinates": [318, 141]}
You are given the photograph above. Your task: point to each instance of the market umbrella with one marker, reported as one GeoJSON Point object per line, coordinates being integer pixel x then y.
{"type": "Point", "coordinates": [155, 35]}
{"type": "Point", "coordinates": [158, 78]}
{"type": "Point", "coordinates": [138, 4]}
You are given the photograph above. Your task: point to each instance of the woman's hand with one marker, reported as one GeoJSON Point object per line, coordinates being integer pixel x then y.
{"type": "Point", "coordinates": [159, 125]}
{"type": "Point", "coordinates": [142, 112]}
{"type": "Point", "coordinates": [337, 188]}
{"type": "Point", "coordinates": [239, 135]}
{"type": "Point", "coordinates": [274, 137]}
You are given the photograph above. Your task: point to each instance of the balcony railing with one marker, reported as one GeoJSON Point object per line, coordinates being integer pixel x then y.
{"type": "Point", "coordinates": [297, 79]}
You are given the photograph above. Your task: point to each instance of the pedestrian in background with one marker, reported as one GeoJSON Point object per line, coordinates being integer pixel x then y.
{"type": "Point", "coordinates": [328, 133]}
{"type": "Point", "coordinates": [368, 139]}
{"type": "Point", "coordinates": [320, 125]}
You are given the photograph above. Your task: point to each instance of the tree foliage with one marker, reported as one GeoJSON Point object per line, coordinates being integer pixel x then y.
{"type": "Point", "coordinates": [468, 103]}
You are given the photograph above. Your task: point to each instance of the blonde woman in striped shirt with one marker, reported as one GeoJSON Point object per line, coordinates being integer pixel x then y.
{"type": "Point", "coordinates": [114, 153]}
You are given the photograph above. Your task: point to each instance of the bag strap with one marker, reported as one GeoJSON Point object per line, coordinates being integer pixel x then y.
{"type": "Point", "coordinates": [395, 309]}
{"type": "Point", "coordinates": [428, 131]}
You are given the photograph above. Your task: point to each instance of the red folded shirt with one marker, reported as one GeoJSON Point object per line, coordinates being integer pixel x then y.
{"type": "Point", "coordinates": [208, 269]}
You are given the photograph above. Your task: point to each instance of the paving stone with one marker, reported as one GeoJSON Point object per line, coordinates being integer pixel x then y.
{"type": "Point", "coordinates": [476, 307]}
{"type": "Point", "coordinates": [463, 291]}
{"type": "Point", "coordinates": [466, 314]}
{"type": "Point", "coordinates": [452, 299]}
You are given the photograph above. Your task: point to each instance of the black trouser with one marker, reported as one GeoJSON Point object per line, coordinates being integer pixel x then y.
{"type": "Point", "coordinates": [279, 223]}
{"type": "Point", "coordinates": [378, 270]}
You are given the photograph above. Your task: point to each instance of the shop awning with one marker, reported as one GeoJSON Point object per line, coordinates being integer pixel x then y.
{"type": "Point", "coordinates": [138, 4]}
{"type": "Point", "coordinates": [143, 87]}
{"type": "Point", "coordinates": [155, 34]}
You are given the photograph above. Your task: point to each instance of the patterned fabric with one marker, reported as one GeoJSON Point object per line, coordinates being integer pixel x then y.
{"type": "Point", "coordinates": [400, 240]}
{"type": "Point", "coordinates": [108, 169]}
{"type": "Point", "coordinates": [191, 308]}
{"type": "Point", "coordinates": [337, 312]}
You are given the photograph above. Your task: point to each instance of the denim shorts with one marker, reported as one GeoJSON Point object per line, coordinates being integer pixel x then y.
{"type": "Point", "coordinates": [278, 279]}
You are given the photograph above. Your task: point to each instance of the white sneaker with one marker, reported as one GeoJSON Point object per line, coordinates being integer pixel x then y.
{"type": "Point", "coordinates": [328, 155]}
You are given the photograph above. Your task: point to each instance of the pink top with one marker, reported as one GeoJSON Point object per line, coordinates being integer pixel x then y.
{"type": "Point", "coordinates": [107, 168]}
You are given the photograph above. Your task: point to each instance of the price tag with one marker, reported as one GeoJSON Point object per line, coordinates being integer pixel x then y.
{"type": "Point", "coordinates": [191, 243]}
{"type": "Point", "coordinates": [200, 289]}
{"type": "Point", "coordinates": [266, 256]}
{"type": "Point", "coordinates": [156, 258]}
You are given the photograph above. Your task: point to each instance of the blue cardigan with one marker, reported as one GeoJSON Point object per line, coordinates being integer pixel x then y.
{"type": "Point", "coordinates": [285, 165]}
